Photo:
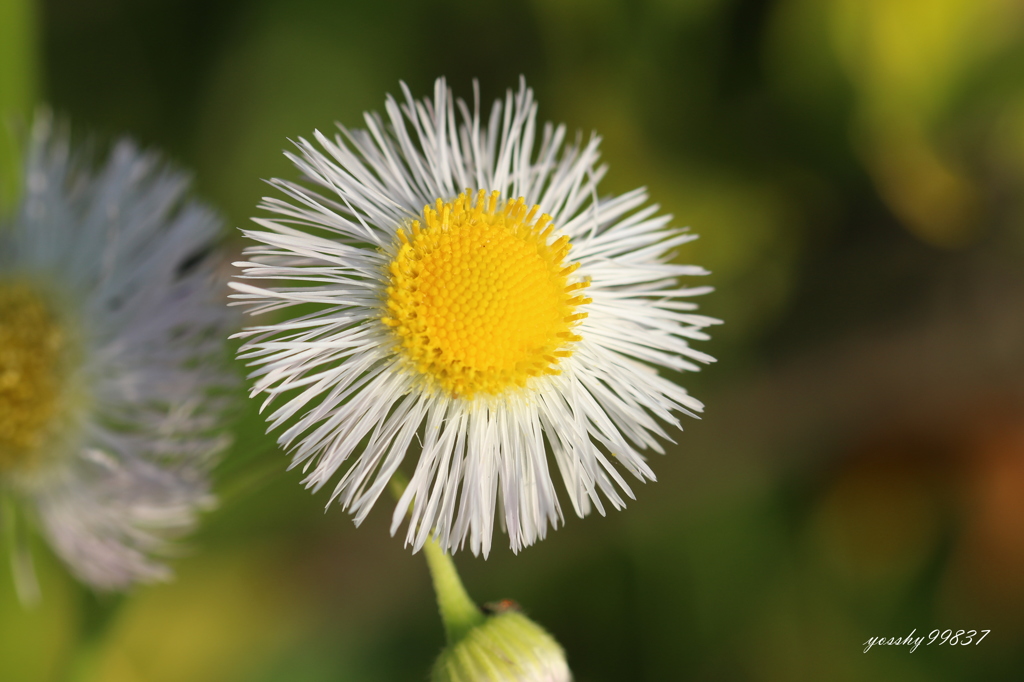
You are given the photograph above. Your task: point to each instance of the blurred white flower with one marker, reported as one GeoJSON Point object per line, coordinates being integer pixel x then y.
{"type": "Point", "coordinates": [422, 308]}
{"type": "Point", "coordinates": [112, 383]}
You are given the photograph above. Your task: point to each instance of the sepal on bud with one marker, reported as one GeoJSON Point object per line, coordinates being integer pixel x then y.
{"type": "Point", "coordinates": [505, 647]}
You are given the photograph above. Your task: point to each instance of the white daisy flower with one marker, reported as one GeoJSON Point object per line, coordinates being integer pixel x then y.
{"type": "Point", "coordinates": [459, 318]}
{"type": "Point", "coordinates": [111, 388]}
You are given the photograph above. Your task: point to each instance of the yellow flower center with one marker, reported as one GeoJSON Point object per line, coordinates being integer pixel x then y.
{"type": "Point", "coordinates": [32, 359]}
{"type": "Point", "coordinates": [479, 298]}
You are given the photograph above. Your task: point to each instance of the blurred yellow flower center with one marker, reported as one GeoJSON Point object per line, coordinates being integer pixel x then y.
{"type": "Point", "coordinates": [32, 349]}
{"type": "Point", "coordinates": [479, 298]}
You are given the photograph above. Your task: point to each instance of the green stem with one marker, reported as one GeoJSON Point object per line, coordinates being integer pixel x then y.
{"type": "Point", "coordinates": [19, 89]}
{"type": "Point", "coordinates": [459, 612]}
{"type": "Point", "coordinates": [99, 612]}
{"type": "Point", "coordinates": [19, 551]}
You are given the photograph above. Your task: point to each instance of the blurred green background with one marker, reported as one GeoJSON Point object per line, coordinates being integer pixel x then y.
{"type": "Point", "coordinates": [855, 170]}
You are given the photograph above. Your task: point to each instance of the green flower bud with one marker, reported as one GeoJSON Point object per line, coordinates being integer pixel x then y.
{"type": "Point", "coordinates": [504, 647]}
